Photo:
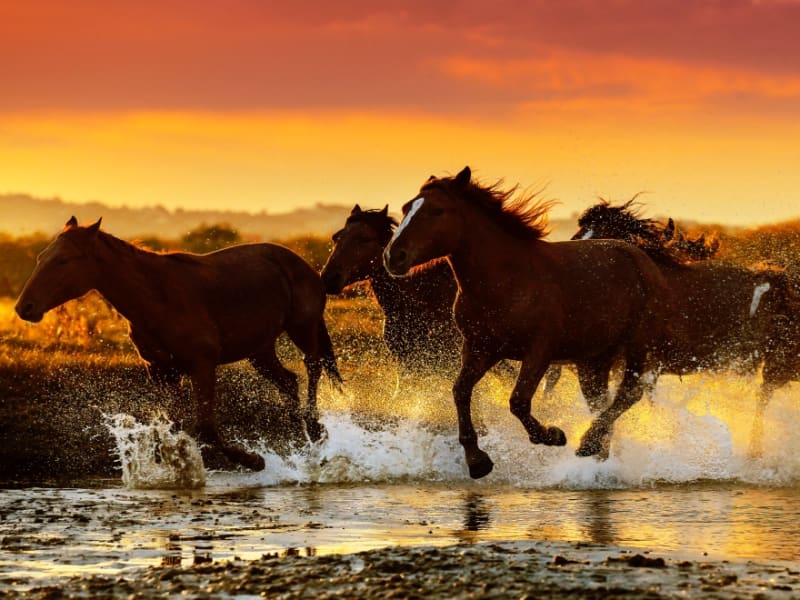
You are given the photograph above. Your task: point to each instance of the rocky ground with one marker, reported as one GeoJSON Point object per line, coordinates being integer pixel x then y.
{"type": "Point", "coordinates": [512, 570]}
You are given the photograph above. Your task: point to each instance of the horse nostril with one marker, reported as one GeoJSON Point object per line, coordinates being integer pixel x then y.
{"type": "Point", "coordinates": [24, 310]}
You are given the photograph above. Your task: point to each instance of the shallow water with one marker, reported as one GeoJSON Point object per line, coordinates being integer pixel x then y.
{"type": "Point", "coordinates": [677, 481]}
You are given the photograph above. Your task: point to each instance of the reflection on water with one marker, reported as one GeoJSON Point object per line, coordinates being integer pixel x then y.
{"type": "Point", "coordinates": [47, 533]}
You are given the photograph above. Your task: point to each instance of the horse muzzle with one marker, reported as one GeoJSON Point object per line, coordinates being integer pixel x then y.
{"type": "Point", "coordinates": [396, 261]}
{"type": "Point", "coordinates": [28, 312]}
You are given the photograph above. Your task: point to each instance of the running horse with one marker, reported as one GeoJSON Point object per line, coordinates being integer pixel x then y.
{"type": "Point", "coordinates": [189, 313]}
{"type": "Point", "coordinates": [726, 316]}
{"type": "Point", "coordinates": [418, 310]}
{"type": "Point", "coordinates": [523, 298]}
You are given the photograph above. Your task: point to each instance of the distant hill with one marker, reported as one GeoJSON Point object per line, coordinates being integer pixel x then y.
{"type": "Point", "coordinates": [23, 214]}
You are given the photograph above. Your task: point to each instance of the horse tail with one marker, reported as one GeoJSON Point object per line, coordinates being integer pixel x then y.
{"type": "Point", "coordinates": [327, 356]}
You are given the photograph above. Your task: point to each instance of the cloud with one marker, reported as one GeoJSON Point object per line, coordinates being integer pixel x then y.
{"type": "Point", "coordinates": [467, 57]}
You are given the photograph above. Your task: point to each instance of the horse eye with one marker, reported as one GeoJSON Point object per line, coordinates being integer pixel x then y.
{"type": "Point", "coordinates": [437, 211]}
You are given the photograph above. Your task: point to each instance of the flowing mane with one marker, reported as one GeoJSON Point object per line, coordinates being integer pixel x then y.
{"type": "Point", "coordinates": [662, 242]}
{"type": "Point", "coordinates": [522, 215]}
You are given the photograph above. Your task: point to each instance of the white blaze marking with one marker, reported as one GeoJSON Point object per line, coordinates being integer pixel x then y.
{"type": "Point", "coordinates": [415, 206]}
{"type": "Point", "coordinates": [759, 291]}
{"type": "Point", "coordinates": [589, 233]}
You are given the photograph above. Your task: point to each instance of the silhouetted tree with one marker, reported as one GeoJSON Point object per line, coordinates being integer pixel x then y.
{"type": "Point", "coordinates": [207, 238]}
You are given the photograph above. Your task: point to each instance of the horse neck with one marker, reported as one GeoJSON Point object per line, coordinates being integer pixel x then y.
{"type": "Point", "coordinates": [388, 291]}
{"type": "Point", "coordinates": [127, 277]}
{"type": "Point", "coordinates": [474, 261]}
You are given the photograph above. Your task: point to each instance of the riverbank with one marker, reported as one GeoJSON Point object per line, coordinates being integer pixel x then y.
{"type": "Point", "coordinates": [493, 570]}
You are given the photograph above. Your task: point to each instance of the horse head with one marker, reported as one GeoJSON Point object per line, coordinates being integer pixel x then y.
{"type": "Point", "coordinates": [357, 248]}
{"type": "Point", "coordinates": [65, 270]}
{"type": "Point", "coordinates": [431, 225]}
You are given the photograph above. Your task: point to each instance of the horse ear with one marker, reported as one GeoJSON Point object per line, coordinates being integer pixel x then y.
{"type": "Point", "coordinates": [73, 222]}
{"type": "Point", "coordinates": [94, 227]}
{"type": "Point", "coordinates": [356, 210]}
{"type": "Point", "coordinates": [464, 176]}
{"type": "Point", "coordinates": [385, 210]}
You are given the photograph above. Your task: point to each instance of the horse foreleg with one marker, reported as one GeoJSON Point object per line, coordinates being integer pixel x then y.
{"type": "Point", "coordinates": [203, 380]}
{"type": "Point", "coordinates": [757, 434]}
{"type": "Point", "coordinates": [597, 437]}
{"type": "Point", "coordinates": [530, 373]}
{"type": "Point", "coordinates": [473, 367]}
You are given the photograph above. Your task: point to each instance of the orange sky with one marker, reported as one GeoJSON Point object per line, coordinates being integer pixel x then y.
{"type": "Point", "coordinates": [257, 105]}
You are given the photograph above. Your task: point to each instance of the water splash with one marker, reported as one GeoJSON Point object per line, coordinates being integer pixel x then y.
{"type": "Point", "coordinates": [153, 456]}
{"type": "Point", "coordinates": [691, 430]}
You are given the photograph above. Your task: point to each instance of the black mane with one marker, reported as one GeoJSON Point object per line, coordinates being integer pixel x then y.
{"type": "Point", "coordinates": [662, 241]}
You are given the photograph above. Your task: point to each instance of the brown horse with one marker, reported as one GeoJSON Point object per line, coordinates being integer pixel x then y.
{"type": "Point", "coordinates": [526, 299]}
{"type": "Point", "coordinates": [725, 316]}
{"type": "Point", "coordinates": [418, 310]}
{"type": "Point", "coordinates": [189, 313]}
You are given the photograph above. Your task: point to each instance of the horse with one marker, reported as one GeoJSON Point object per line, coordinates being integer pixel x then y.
{"type": "Point", "coordinates": [188, 313]}
{"type": "Point", "coordinates": [418, 310]}
{"type": "Point", "coordinates": [523, 298]}
{"type": "Point", "coordinates": [725, 315]}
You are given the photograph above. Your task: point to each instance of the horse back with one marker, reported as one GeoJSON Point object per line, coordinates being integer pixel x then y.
{"type": "Point", "coordinates": [579, 298]}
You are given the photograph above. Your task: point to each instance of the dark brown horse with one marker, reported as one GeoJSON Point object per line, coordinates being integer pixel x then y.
{"type": "Point", "coordinates": [725, 316]}
{"type": "Point", "coordinates": [526, 299]}
{"type": "Point", "coordinates": [418, 310]}
{"type": "Point", "coordinates": [189, 313]}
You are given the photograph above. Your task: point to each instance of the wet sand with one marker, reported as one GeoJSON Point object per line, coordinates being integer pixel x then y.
{"type": "Point", "coordinates": [496, 570]}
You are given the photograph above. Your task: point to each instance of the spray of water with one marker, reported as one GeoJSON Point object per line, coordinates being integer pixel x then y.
{"type": "Point", "coordinates": [154, 456]}
{"type": "Point", "coordinates": [692, 430]}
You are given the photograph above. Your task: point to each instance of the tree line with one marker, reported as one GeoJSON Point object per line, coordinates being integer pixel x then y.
{"type": "Point", "coordinates": [18, 254]}
{"type": "Point", "coordinates": [776, 244]}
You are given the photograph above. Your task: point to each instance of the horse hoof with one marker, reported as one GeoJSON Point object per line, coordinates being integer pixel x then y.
{"type": "Point", "coordinates": [555, 437]}
{"type": "Point", "coordinates": [249, 460]}
{"type": "Point", "coordinates": [590, 447]}
{"type": "Point", "coordinates": [254, 462]}
{"type": "Point", "coordinates": [315, 430]}
{"type": "Point", "coordinates": [481, 468]}
{"type": "Point", "coordinates": [551, 436]}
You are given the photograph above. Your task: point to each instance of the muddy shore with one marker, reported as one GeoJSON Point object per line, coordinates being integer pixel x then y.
{"type": "Point", "coordinates": [508, 570]}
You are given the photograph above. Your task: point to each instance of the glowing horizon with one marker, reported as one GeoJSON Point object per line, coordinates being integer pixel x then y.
{"type": "Point", "coordinates": [267, 107]}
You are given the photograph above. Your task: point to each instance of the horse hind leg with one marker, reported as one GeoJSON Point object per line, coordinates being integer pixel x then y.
{"type": "Point", "coordinates": [314, 342]}
{"type": "Point", "coordinates": [270, 368]}
{"type": "Point", "coordinates": [593, 381]}
{"type": "Point", "coordinates": [596, 439]}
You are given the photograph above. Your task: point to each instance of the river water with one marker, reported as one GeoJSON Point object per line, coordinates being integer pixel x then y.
{"type": "Point", "coordinates": [678, 481]}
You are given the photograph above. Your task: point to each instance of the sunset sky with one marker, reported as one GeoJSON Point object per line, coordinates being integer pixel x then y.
{"type": "Point", "coordinates": [257, 105]}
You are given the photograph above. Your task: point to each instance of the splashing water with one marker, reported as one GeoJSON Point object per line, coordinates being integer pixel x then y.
{"type": "Point", "coordinates": [153, 456]}
{"type": "Point", "coordinates": [691, 430]}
